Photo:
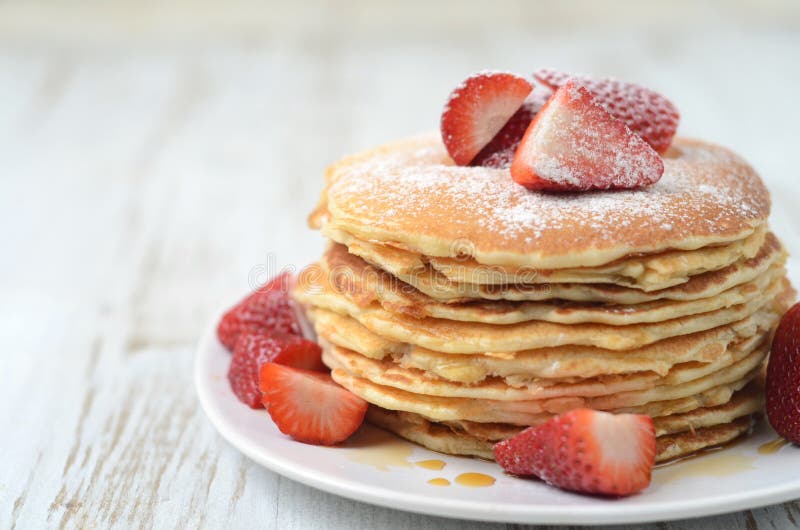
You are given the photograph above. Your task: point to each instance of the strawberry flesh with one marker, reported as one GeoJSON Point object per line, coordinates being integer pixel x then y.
{"type": "Point", "coordinates": [478, 109]}
{"type": "Point", "coordinates": [783, 378]}
{"type": "Point", "coordinates": [500, 151]}
{"type": "Point", "coordinates": [267, 309]}
{"type": "Point", "coordinates": [255, 349]}
{"type": "Point", "coordinates": [646, 112]}
{"type": "Point", "coordinates": [585, 451]}
{"type": "Point", "coordinates": [573, 144]}
{"type": "Point", "coordinates": [309, 406]}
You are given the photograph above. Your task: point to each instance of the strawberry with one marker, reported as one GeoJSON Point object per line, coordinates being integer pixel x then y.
{"type": "Point", "coordinates": [646, 112]}
{"type": "Point", "coordinates": [266, 309]}
{"type": "Point", "coordinates": [254, 349]}
{"type": "Point", "coordinates": [573, 144]}
{"type": "Point", "coordinates": [783, 378]}
{"type": "Point", "coordinates": [586, 451]}
{"type": "Point", "coordinates": [500, 151]}
{"type": "Point", "coordinates": [309, 406]}
{"type": "Point", "coordinates": [478, 109]}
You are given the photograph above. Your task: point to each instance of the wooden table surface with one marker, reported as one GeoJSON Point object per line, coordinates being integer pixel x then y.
{"type": "Point", "coordinates": [155, 158]}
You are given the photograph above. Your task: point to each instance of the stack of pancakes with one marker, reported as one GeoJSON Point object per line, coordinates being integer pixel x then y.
{"type": "Point", "coordinates": [465, 308]}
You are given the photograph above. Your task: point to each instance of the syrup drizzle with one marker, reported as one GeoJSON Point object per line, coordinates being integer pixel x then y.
{"type": "Point", "coordinates": [773, 446]}
{"type": "Point", "coordinates": [435, 465]}
{"type": "Point", "coordinates": [474, 480]}
{"type": "Point", "coordinates": [704, 464]}
{"type": "Point", "coordinates": [379, 449]}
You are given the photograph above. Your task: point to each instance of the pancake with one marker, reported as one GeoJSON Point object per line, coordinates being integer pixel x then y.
{"type": "Point", "coordinates": [465, 308]}
{"type": "Point", "coordinates": [561, 362]}
{"type": "Point", "coordinates": [392, 373]}
{"type": "Point", "coordinates": [649, 272]}
{"type": "Point", "coordinates": [444, 439]}
{"type": "Point", "coordinates": [450, 336]}
{"type": "Point", "coordinates": [674, 446]}
{"type": "Point", "coordinates": [439, 287]}
{"type": "Point", "coordinates": [409, 193]}
{"type": "Point", "coordinates": [711, 389]}
{"type": "Point", "coordinates": [389, 373]}
{"type": "Point", "coordinates": [365, 285]}
{"type": "Point", "coordinates": [747, 401]}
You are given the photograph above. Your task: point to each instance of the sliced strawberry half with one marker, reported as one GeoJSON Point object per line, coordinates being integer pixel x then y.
{"type": "Point", "coordinates": [573, 144]}
{"type": "Point", "coordinates": [255, 349]}
{"type": "Point", "coordinates": [585, 451]}
{"type": "Point", "coordinates": [478, 109]}
{"type": "Point", "coordinates": [500, 151]}
{"type": "Point", "coordinates": [267, 309]}
{"type": "Point", "coordinates": [645, 111]}
{"type": "Point", "coordinates": [783, 378]}
{"type": "Point", "coordinates": [309, 406]}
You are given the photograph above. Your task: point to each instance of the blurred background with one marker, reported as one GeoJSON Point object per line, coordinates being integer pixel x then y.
{"type": "Point", "coordinates": [154, 154]}
{"type": "Point", "coordinates": [163, 148]}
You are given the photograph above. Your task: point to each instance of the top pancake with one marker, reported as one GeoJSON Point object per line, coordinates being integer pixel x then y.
{"type": "Point", "coordinates": [410, 194]}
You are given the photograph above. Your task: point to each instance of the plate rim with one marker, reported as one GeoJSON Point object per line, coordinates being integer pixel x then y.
{"type": "Point", "coordinates": [470, 510]}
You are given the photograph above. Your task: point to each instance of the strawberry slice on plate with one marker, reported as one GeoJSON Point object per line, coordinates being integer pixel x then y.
{"type": "Point", "coordinates": [255, 349]}
{"type": "Point", "coordinates": [645, 111]}
{"type": "Point", "coordinates": [500, 151]}
{"type": "Point", "coordinates": [585, 451]}
{"type": "Point", "coordinates": [573, 144]}
{"type": "Point", "coordinates": [478, 109]}
{"type": "Point", "coordinates": [309, 406]}
{"type": "Point", "coordinates": [267, 309]}
{"type": "Point", "coordinates": [783, 378]}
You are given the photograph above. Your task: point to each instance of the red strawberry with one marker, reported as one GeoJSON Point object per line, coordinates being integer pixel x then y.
{"type": "Point", "coordinates": [255, 349]}
{"type": "Point", "coordinates": [585, 450]}
{"type": "Point", "coordinates": [783, 378]}
{"type": "Point", "coordinates": [646, 112]}
{"type": "Point", "coordinates": [573, 144]}
{"type": "Point", "coordinates": [309, 406]}
{"type": "Point", "coordinates": [500, 151]}
{"type": "Point", "coordinates": [266, 309]}
{"type": "Point", "coordinates": [477, 109]}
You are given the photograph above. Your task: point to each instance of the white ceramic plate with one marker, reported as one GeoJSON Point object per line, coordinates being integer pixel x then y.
{"type": "Point", "coordinates": [378, 468]}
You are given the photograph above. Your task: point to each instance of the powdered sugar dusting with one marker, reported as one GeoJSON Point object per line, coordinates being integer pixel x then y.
{"type": "Point", "coordinates": [645, 111]}
{"type": "Point", "coordinates": [705, 190]}
{"type": "Point", "coordinates": [556, 170]}
{"type": "Point", "coordinates": [576, 144]}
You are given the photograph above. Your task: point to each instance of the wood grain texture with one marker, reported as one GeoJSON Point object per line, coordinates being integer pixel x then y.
{"type": "Point", "coordinates": [156, 160]}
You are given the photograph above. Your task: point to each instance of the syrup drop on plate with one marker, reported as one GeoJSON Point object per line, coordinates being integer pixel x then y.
{"type": "Point", "coordinates": [474, 480]}
{"type": "Point", "coordinates": [436, 465]}
{"type": "Point", "coordinates": [721, 464]}
{"type": "Point", "coordinates": [379, 449]}
{"type": "Point", "coordinates": [772, 447]}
